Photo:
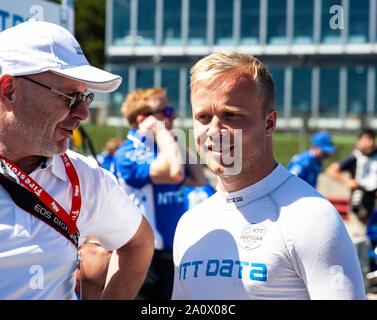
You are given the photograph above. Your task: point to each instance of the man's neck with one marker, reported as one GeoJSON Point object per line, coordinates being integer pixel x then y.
{"type": "Point", "coordinates": [243, 180]}
{"type": "Point", "coordinates": [28, 164]}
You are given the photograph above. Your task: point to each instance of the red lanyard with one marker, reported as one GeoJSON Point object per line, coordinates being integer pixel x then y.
{"type": "Point", "coordinates": [29, 183]}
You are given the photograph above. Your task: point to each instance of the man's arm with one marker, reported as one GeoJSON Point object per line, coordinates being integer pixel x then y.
{"type": "Point", "coordinates": [334, 171]}
{"type": "Point", "coordinates": [325, 259]}
{"type": "Point", "coordinates": [129, 266]}
{"type": "Point", "coordinates": [195, 172]}
{"type": "Point", "coordinates": [168, 167]}
{"type": "Point", "coordinates": [172, 159]}
{"type": "Point", "coordinates": [91, 276]}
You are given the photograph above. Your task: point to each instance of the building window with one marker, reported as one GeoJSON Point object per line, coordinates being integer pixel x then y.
{"type": "Point", "coordinates": [277, 22]}
{"type": "Point", "coordinates": [146, 23]}
{"type": "Point", "coordinates": [301, 91]}
{"type": "Point", "coordinates": [249, 22]}
{"type": "Point", "coordinates": [224, 22]}
{"type": "Point", "coordinates": [144, 78]}
{"type": "Point", "coordinates": [358, 21]}
{"type": "Point", "coordinates": [197, 22]}
{"type": "Point", "coordinates": [303, 21]}
{"type": "Point", "coordinates": [278, 77]}
{"type": "Point", "coordinates": [170, 81]}
{"type": "Point", "coordinates": [172, 22]}
{"type": "Point", "coordinates": [121, 22]}
{"type": "Point", "coordinates": [356, 90]}
{"type": "Point", "coordinates": [117, 97]}
{"type": "Point", "coordinates": [331, 22]}
{"type": "Point", "coordinates": [329, 92]}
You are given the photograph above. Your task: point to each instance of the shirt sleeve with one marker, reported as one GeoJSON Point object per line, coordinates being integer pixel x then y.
{"type": "Point", "coordinates": [348, 163]}
{"type": "Point", "coordinates": [134, 171]}
{"type": "Point", "coordinates": [326, 260]}
{"type": "Point", "coordinates": [178, 292]}
{"type": "Point", "coordinates": [136, 175]}
{"type": "Point", "coordinates": [295, 166]}
{"type": "Point", "coordinates": [108, 214]}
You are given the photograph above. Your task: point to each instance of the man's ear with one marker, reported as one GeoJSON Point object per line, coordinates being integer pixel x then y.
{"type": "Point", "coordinates": [7, 91]}
{"type": "Point", "coordinates": [140, 118]}
{"type": "Point", "coordinates": [271, 122]}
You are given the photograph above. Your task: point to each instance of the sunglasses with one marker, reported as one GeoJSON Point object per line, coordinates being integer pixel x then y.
{"type": "Point", "coordinates": [75, 99]}
{"type": "Point", "coordinates": [169, 112]}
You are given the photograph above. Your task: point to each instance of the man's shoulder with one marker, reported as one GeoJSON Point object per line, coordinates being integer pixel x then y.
{"type": "Point", "coordinates": [126, 145]}
{"type": "Point", "coordinates": [348, 160]}
{"type": "Point", "coordinates": [132, 150]}
{"type": "Point", "coordinates": [124, 151]}
{"type": "Point", "coordinates": [300, 158]}
{"type": "Point", "coordinates": [304, 200]}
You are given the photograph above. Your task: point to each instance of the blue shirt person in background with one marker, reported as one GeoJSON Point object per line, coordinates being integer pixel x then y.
{"type": "Point", "coordinates": [105, 158]}
{"type": "Point", "coordinates": [307, 165]}
{"type": "Point", "coordinates": [153, 168]}
{"type": "Point", "coordinates": [195, 195]}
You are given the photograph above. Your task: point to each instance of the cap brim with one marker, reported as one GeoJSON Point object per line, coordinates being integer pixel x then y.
{"type": "Point", "coordinates": [328, 149]}
{"type": "Point", "coordinates": [95, 78]}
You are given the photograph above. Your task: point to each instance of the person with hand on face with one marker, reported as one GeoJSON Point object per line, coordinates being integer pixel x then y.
{"type": "Point", "coordinates": [265, 234]}
{"type": "Point", "coordinates": [307, 165]}
{"type": "Point", "coordinates": [153, 166]}
{"type": "Point", "coordinates": [51, 198]}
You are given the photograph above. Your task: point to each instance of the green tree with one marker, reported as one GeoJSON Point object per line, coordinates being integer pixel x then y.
{"type": "Point", "coordinates": [90, 29]}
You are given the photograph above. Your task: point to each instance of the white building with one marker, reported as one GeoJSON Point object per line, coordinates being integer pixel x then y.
{"type": "Point", "coordinates": [321, 53]}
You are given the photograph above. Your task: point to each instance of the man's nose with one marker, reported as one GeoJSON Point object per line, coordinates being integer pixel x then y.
{"type": "Point", "coordinates": [214, 127]}
{"type": "Point", "coordinates": [81, 111]}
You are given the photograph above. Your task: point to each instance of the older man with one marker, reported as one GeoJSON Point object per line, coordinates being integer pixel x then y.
{"type": "Point", "coordinates": [52, 199]}
{"type": "Point", "coordinates": [265, 234]}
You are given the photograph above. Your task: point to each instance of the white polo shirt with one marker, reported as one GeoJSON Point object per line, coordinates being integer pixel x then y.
{"type": "Point", "coordinates": [37, 262]}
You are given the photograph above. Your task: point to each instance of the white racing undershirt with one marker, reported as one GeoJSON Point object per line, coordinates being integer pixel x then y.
{"type": "Point", "coordinates": [276, 239]}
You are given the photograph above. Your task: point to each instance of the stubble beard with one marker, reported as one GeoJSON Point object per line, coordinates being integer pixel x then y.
{"type": "Point", "coordinates": [250, 161]}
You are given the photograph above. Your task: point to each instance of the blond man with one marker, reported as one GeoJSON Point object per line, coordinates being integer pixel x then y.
{"type": "Point", "coordinates": [265, 234]}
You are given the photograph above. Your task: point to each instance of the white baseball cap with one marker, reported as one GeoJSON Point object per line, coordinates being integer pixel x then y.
{"type": "Point", "coordinates": [38, 46]}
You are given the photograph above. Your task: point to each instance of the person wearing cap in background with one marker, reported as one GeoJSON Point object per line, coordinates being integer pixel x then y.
{"type": "Point", "coordinates": [51, 198]}
{"type": "Point", "coordinates": [153, 166]}
{"type": "Point", "coordinates": [307, 165]}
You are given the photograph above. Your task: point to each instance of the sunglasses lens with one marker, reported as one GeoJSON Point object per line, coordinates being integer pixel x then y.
{"type": "Point", "coordinates": [79, 97]}
{"type": "Point", "coordinates": [89, 99]}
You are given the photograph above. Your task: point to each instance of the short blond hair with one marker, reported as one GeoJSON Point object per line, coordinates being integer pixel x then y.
{"type": "Point", "coordinates": [137, 103]}
{"type": "Point", "coordinates": [218, 64]}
